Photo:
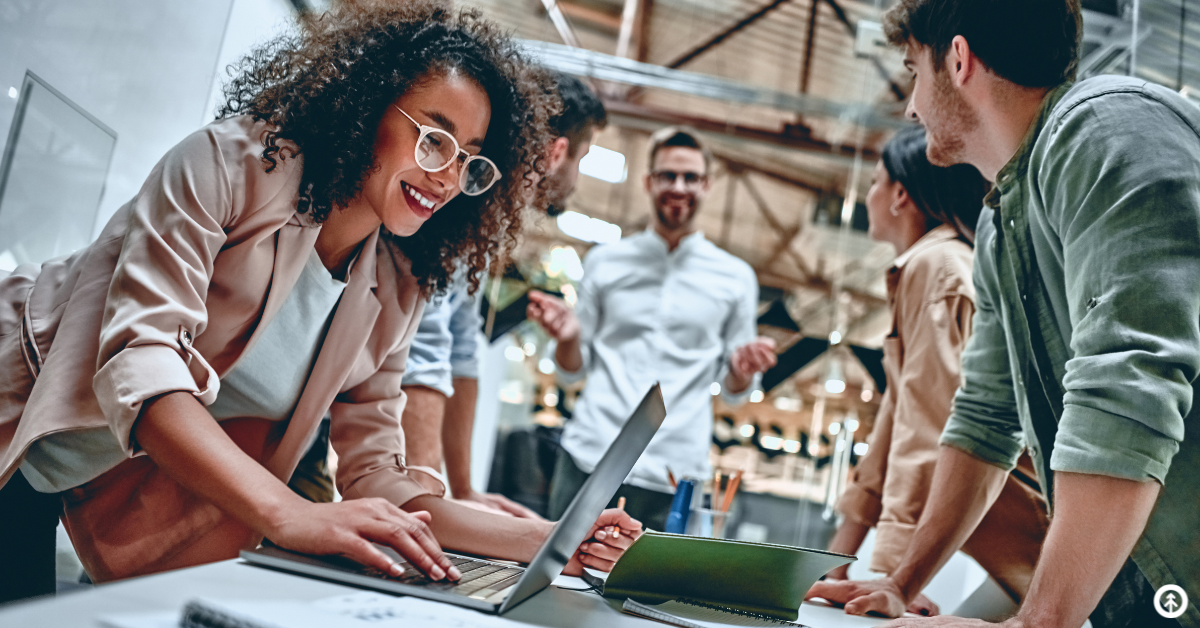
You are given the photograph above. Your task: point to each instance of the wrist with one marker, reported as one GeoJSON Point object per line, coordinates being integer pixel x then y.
{"type": "Point", "coordinates": [273, 514]}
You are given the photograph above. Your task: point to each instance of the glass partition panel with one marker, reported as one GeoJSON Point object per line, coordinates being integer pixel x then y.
{"type": "Point", "coordinates": [51, 176]}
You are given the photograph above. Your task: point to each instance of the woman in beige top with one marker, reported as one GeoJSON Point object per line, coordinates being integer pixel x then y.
{"type": "Point", "coordinates": [928, 215]}
{"type": "Point", "coordinates": [352, 168]}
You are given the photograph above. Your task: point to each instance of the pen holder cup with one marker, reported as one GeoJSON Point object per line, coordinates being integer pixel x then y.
{"type": "Point", "coordinates": [707, 522]}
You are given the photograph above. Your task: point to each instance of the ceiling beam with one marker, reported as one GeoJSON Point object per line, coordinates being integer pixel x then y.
{"type": "Point", "coordinates": [642, 26]}
{"type": "Point", "coordinates": [629, 14]}
{"type": "Point", "coordinates": [793, 140]}
{"type": "Point", "coordinates": [806, 71]}
{"type": "Point", "coordinates": [560, 23]}
{"type": "Point", "coordinates": [716, 40]}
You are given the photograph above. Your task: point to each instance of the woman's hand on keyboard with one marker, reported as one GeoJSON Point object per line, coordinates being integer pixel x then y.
{"type": "Point", "coordinates": [611, 535]}
{"type": "Point", "coordinates": [350, 528]}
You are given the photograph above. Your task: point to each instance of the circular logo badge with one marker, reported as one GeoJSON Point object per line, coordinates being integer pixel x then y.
{"type": "Point", "coordinates": [1170, 601]}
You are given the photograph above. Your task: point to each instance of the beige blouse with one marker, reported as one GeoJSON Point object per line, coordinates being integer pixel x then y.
{"type": "Point", "coordinates": [932, 301]}
{"type": "Point", "coordinates": [183, 279]}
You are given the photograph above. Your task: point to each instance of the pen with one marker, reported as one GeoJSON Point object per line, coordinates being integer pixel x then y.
{"type": "Point", "coordinates": [730, 490]}
{"type": "Point", "coordinates": [615, 531]}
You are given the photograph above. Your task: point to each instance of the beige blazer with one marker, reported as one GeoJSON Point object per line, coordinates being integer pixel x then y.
{"type": "Point", "coordinates": [180, 283]}
{"type": "Point", "coordinates": [932, 301]}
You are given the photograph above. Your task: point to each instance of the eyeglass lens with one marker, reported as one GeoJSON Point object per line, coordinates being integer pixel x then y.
{"type": "Point", "coordinates": [438, 148]}
{"type": "Point", "coordinates": [668, 177]}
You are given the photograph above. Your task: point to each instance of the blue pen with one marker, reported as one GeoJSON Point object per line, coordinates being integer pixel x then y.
{"type": "Point", "coordinates": [681, 506]}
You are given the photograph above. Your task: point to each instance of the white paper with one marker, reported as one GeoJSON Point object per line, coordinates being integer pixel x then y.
{"type": "Point", "coordinates": [356, 610]}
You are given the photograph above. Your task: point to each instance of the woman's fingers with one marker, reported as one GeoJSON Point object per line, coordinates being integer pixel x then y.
{"type": "Point", "coordinates": [595, 562]}
{"type": "Point", "coordinates": [602, 551]}
{"type": "Point", "coordinates": [407, 534]}
{"type": "Point", "coordinates": [362, 551]}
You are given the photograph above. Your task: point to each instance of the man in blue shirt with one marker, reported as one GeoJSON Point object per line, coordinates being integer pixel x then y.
{"type": "Point", "coordinates": [442, 373]}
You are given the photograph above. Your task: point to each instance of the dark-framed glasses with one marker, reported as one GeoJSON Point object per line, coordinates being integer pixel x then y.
{"type": "Point", "coordinates": [436, 150]}
{"type": "Point", "coordinates": [667, 178]}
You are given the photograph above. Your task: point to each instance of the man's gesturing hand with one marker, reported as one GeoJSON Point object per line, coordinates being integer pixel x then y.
{"type": "Point", "coordinates": [350, 528]}
{"type": "Point", "coordinates": [554, 315]}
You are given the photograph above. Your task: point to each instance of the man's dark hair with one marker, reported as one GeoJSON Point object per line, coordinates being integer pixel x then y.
{"type": "Point", "coordinates": [581, 112]}
{"type": "Point", "coordinates": [679, 136]}
{"type": "Point", "coordinates": [952, 196]}
{"type": "Point", "coordinates": [1033, 43]}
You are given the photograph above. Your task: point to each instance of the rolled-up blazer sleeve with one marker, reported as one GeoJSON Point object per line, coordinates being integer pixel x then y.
{"type": "Point", "coordinates": [156, 301]}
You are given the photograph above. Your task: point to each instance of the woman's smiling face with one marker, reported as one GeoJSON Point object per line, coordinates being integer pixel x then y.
{"type": "Point", "coordinates": [401, 193]}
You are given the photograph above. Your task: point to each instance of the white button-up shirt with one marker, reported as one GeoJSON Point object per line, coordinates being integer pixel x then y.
{"type": "Point", "coordinates": [650, 315]}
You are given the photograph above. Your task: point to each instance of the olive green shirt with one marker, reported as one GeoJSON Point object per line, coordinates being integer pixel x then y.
{"type": "Point", "coordinates": [1086, 345]}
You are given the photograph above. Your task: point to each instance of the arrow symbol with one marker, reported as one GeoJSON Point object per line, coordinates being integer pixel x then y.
{"type": "Point", "coordinates": [1171, 604]}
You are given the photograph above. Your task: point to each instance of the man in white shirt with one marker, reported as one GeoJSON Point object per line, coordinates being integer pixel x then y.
{"type": "Point", "coordinates": [664, 305]}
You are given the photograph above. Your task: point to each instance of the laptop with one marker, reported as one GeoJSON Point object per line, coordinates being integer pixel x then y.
{"type": "Point", "coordinates": [494, 586]}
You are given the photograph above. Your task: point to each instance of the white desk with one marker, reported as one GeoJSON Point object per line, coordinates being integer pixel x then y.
{"type": "Point", "coordinates": [234, 580]}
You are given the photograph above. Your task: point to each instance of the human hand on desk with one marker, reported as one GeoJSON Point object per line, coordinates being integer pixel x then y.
{"type": "Point", "coordinates": [859, 597]}
{"type": "Point", "coordinates": [947, 621]}
{"type": "Point", "coordinates": [611, 535]}
{"type": "Point", "coordinates": [349, 528]}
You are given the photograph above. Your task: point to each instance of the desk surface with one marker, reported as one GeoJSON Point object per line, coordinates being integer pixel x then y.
{"type": "Point", "coordinates": [234, 580]}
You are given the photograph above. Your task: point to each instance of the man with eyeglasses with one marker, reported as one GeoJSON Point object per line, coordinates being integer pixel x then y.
{"type": "Point", "coordinates": [441, 378]}
{"type": "Point", "coordinates": [664, 305]}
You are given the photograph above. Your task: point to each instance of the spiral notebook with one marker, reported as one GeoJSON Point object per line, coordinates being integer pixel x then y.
{"type": "Point", "coordinates": [692, 614]}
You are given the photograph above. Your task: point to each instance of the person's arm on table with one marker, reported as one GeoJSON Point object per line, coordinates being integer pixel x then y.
{"type": "Point", "coordinates": [964, 488]}
{"type": "Point", "coordinates": [185, 442]}
{"type": "Point", "coordinates": [464, 529]}
{"type": "Point", "coordinates": [457, 429]}
{"type": "Point", "coordinates": [847, 539]}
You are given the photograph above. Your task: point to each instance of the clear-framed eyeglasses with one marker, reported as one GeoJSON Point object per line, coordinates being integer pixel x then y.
{"type": "Point", "coordinates": [436, 150]}
{"type": "Point", "coordinates": [667, 178]}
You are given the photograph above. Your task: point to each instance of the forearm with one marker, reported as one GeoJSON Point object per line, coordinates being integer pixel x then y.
{"type": "Point", "coordinates": [963, 490]}
{"type": "Point", "coordinates": [1097, 520]}
{"type": "Point", "coordinates": [457, 429]}
{"type": "Point", "coordinates": [422, 425]}
{"type": "Point", "coordinates": [569, 355]}
{"type": "Point", "coordinates": [182, 438]}
{"type": "Point", "coordinates": [463, 529]}
{"type": "Point", "coordinates": [847, 540]}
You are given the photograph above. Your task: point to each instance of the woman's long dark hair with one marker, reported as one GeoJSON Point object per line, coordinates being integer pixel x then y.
{"type": "Point", "coordinates": [326, 87]}
{"type": "Point", "coordinates": [952, 196]}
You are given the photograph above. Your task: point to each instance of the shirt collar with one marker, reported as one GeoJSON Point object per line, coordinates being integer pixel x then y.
{"type": "Point", "coordinates": [1011, 171]}
{"type": "Point", "coordinates": [686, 243]}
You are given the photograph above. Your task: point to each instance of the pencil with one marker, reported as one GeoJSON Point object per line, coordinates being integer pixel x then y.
{"type": "Point", "coordinates": [671, 477]}
{"type": "Point", "coordinates": [716, 490]}
{"type": "Point", "coordinates": [616, 530]}
{"type": "Point", "coordinates": [730, 490]}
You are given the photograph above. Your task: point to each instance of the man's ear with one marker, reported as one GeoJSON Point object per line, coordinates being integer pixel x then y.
{"type": "Point", "coordinates": [960, 61]}
{"type": "Point", "coordinates": [558, 152]}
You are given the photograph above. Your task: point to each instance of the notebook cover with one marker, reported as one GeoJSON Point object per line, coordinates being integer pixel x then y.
{"type": "Point", "coordinates": [757, 578]}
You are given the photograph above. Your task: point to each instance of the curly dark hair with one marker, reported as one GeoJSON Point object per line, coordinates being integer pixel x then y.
{"type": "Point", "coordinates": [326, 87]}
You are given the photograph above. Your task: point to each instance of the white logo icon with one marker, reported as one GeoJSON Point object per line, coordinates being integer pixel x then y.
{"type": "Point", "coordinates": [1170, 601]}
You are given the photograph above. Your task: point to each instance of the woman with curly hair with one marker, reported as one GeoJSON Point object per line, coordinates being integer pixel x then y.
{"type": "Point", "coordinates": [158, 387]}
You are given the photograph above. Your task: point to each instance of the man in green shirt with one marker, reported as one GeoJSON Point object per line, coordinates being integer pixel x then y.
{"type": "Point", "coordinates": [1086, 345]}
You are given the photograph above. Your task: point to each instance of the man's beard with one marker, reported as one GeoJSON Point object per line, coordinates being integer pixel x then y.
{"type": "Point", "coordinates": [669, 222]}
{"type": "Point", "coordinates": [558, 190]}
{"type": "Point", "coordinates": [948, 124]}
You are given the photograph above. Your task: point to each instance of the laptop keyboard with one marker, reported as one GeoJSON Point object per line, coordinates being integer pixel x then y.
{"type": "Point", "coordinates": [480, 579]}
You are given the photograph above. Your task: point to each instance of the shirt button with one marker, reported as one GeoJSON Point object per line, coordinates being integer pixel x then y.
{"type": "Point", "coordinates": [1012, 223]}
{"type": "Point", "coordinates": [1024, 297]}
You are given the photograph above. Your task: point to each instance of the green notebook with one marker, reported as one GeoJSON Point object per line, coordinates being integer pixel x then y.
{"type": "Point", "coordinates": [750, 578]}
